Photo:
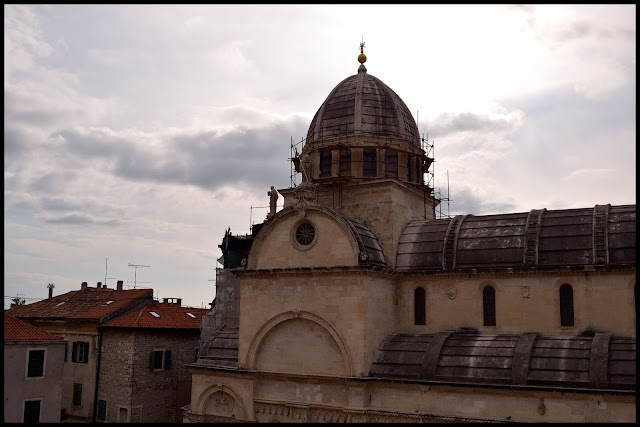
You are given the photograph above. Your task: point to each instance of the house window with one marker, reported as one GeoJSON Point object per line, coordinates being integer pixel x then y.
{"type": "Point", "coordinates": [77, 394]}
{"type": "Point", "coordinates": [160, 360]}
{"type": "Point", "coordinates": [123, 415]}
{"type": "Point", "coordinates": [566, 305]}
{"type": "Point", "coordinates": [345, 160]}
{"type": "Point", "coordinates": [325, 163]}
{"type": "Point", "coordinates": [369, 162]}
{"type": "Point", "coordinates": [102, 410]}
{"type": "Point", "coordinates": [409, 168]}
{"type": "Point", "coordinates": [31, 411]}
{"type": "Point", "coordinates": [35, 363]}
{"type": "Point", "coordinates": [418, 180]}
{"type": "Point", "coordinates": [80, 353]}
{"type": "Point", "coordinates": [391, 163]}
{"type": "Point", "coordinates": [489, 306]}
{"type": "Point", "coordinates": [419, 312]}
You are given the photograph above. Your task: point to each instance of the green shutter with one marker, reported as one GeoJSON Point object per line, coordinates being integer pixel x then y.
{"type": "Point", "coordinates": [102, 410]}
{"type": "Point", "coordinates": [167, 359]}
{"type": "Point", "coordinates": [74, 353]}
{"type": "Point", "coordinates": [152, 361]}
{"type": "Point", "coordinates": [86, 352]}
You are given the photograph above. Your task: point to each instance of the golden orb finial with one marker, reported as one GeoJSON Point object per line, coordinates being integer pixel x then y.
{"type": "Point", "coordinates": [362, 58]}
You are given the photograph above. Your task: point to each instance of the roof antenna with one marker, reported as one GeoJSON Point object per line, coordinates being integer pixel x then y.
{"type": "Point", "coordinates": [105, 272]}
{"type": "Point", "coordinates": [135, 277]}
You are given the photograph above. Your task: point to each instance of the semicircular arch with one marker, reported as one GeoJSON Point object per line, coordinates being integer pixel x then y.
{"type": "Point", "coordinates": [269, 325]}
{"type": "Point", "coordinates": [295, 215]}
{"type": "Point", "coordinates": [224, 406]}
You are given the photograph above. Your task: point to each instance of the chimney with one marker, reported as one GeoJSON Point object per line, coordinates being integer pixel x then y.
{"type": "Point", "coordinates": [99, 285]}
{"type": "Point", "coordinates": [50, 286]}
{"type": "Point", "coordinates": [104, 286]}
{"type": "Point", "coordinates": [165, 300]}
{"type": "Point", "coordinates": [179, 301]}
{"type": "Point", "coordinates": [119, 287]}
{"type": "Point", "coordinates": [83, 286]}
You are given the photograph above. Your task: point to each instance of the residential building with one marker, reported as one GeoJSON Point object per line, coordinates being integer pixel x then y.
{"type": "Point", "coordinates": [77, 316]}
{"type": "Point", "coordinates": [143, 373]}
{"type": "Point", "coordinates": [33, 363]}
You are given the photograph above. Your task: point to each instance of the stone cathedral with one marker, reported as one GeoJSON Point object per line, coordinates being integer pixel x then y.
{"type": "Point", "coordinates": [354, 303]}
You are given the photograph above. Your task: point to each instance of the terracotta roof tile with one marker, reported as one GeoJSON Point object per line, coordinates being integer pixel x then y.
{"type": "Point", "coordinates": [18, 330]}
{"type": "Point", "coordinates": [171, 316]}
{"type": "Point", "coordinates": [88, 304]}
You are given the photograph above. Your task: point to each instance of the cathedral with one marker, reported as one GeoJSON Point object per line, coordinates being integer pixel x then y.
{"type": "Point", "coordinates": [355, 303]}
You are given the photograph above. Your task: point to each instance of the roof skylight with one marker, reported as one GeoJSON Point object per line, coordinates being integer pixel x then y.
{"type": "Point", "coordinates": [60, 303]}
{"type": "Point", "coordinates": [154, 314]}
{"type": "Point", "coordinates": [107, 303]}
{"type": "Point", "coordinates": [191, 315]}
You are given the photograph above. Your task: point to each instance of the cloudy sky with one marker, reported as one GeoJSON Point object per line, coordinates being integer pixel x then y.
{"type": "Point", "coordinates": [139, 134]}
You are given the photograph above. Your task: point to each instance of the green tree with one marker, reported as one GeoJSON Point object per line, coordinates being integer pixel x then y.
{"type": "Point", "coordinates": [16, 302]}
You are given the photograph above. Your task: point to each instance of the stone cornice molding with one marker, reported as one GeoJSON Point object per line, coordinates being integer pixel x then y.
{"type": "Point", "coordinates": [324, 413]}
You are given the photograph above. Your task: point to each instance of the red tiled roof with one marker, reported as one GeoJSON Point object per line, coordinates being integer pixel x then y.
{"type": "Point", "coordinates": [172, 316]}
{"type": "Point", "coordinates": [88, 304]}
{"type": "Point", "coordinates": [18, 330]}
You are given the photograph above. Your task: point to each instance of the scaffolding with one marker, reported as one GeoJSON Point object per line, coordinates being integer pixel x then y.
{"type": "Point", "coordinates": [429, 149]}
{"type": "Point", "coordinates": [337, 141]}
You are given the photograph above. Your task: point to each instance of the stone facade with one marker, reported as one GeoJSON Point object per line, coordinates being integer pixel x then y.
{"type": "Point", "coordinates": [358, 305]}
{"type": "Point", "coordinates": [134, 392]}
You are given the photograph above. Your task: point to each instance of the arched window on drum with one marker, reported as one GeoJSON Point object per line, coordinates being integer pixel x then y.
{"type": "Point", "coordinates": [391, 163]}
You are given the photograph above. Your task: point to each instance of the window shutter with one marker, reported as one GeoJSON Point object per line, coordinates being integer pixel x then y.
{"type": "Point", "coordinates": [74, 353]}
{"type": "Point", "coordinates": [167, 359]}
{"type": "Point", "coordinates": [152, 361]}
{"type": "Point", "coordinates": [102, 410]}
{"type": "Point", "coordinates": [86, 352]}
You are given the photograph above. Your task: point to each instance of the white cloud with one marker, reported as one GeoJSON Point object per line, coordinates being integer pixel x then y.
{"type": "Point", "coordinates": [229, 57]}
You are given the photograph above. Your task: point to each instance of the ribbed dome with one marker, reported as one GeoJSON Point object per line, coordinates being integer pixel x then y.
{"type": "Point", "coordinates": [362, 104]}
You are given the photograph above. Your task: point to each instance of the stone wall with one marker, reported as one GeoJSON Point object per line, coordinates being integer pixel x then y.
{"type": "Point", "coordinates": [302, 398]}
{"type": "Point", "coordinates": [146, 395]}
{"type": "Point", "coordinates": [523, 302]}
{"type": "Point", "coordinates": [354, 309]}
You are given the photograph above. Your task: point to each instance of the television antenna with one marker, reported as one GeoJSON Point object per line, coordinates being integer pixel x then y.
{"type": "Point", "coordinates": [135, 273]}
{"type": "Point", "coordinates": [105, 272]}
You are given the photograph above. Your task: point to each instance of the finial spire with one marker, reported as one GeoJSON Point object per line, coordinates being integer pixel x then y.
{"type": "Point", "coordinates": [362, 58]}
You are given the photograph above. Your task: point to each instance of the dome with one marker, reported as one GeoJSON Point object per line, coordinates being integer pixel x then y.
{"type": "Point", "coordinates": [363, 104]}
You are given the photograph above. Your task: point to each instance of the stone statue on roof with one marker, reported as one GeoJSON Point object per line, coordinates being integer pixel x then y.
{"type": "Point", "coordinates": [273, 198]}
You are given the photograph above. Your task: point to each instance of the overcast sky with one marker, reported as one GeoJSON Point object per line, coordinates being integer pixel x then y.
{"type": "Point", "coordinates": [138, 134]}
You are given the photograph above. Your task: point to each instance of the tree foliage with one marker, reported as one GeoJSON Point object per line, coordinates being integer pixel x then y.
{"type": "Point", "coordinates": [16, 302]}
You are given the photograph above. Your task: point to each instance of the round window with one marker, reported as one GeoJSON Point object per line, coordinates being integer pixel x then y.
{"type": "Point", "coordinates": [305, 233]}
